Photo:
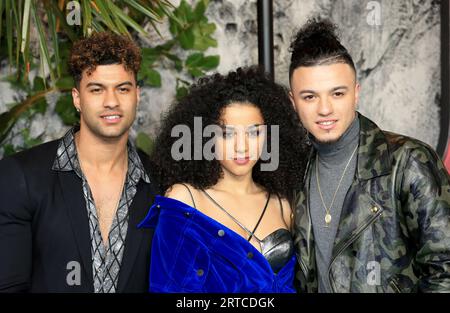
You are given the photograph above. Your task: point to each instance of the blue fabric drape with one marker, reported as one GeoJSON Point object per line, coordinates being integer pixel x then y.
{"type": "Point", "coordinates": [193, 253]}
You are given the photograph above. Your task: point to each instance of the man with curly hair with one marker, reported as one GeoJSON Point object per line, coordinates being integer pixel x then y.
{"type": "Point", "coordinates": [70, 207]}
{"type": "Point", "coordinates": [373, 211]}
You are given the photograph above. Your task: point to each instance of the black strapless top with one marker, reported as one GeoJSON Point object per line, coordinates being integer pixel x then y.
{"type": "Point", "coordinates": [278, 248]}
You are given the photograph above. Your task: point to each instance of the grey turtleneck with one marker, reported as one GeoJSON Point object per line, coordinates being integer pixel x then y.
{"type": "Point", "coordinates": [333, 158]}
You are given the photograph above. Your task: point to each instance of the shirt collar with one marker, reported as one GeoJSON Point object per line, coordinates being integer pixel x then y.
{"type": "Point", "coordinates": [67, 158]}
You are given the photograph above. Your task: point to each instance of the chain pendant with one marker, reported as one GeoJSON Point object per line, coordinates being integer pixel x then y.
{"type": "Point", "coordinates": [327, 219]}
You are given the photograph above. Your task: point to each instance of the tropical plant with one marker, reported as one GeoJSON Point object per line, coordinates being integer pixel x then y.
{"type": "Point", "coordinates": [36, 36]}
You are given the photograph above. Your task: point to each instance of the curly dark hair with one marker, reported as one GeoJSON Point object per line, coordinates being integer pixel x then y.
{"type": "Point", "coordinates": [103, 48]}
{"type": "Point", "coordinates": [317, 43]}
{"type": "Point", "coordinates": [207, 99]}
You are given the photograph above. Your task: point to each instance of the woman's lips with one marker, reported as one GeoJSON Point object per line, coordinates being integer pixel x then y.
{"type": "Point", "coordinates": [241, 161]}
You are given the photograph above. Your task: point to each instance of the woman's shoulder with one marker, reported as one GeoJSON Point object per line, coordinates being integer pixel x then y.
{"type": "Point", "coordinates": [282, 204]}
{"type": "Point", "coordinates": [182, 192]}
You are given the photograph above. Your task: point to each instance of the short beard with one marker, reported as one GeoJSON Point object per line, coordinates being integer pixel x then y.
{"type": "Point", "coordinates": [324, 142]}
{"type": "Point", "coordinates": [327, 142]}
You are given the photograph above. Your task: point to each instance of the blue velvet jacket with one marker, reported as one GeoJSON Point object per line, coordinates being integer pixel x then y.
{"type": "Point", "coordinates": [193, 253]}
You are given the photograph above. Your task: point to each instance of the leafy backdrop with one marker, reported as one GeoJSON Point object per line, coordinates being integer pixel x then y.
{"type": "Point", "coordinates": [35, 40]}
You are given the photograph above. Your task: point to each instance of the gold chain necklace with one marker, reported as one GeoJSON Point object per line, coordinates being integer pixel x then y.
{"type": "Point", "coordinates": [327, 209]}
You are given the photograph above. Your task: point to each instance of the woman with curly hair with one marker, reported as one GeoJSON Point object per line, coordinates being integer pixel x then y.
{"type": "Point", "coordinates": [224, 222]}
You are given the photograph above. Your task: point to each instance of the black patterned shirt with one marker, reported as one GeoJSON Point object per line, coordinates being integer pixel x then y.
{"type": "Point", "coordinates": [106, 260]}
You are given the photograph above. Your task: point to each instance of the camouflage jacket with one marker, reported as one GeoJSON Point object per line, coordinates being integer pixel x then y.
{"type": "Point", "coordinates": [394, 230]}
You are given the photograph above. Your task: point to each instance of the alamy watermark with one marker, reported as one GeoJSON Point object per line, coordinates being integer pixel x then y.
{"type": "Point", "coordinates": [374, 16]}
{"type": "Point", "coordinates": [73, 17]}
{"type": "Point", "coordinates": [226, 143]}
{"type": "Point", "coordinates": [374, 274]}
{"type": "Point", "coordinates": [73, 277]}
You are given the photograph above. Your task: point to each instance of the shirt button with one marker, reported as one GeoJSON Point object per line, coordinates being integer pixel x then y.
{"type": "Point", "coordinates": [187, 214]}
{"type": "Point", "coordinates": [200, 272]}
{"type": "Point", "coordinates": [221, 233]}
{"type": "Point", "coordinates": [250, 255]}
{"type": "Point", "coordinates": [158, 206]}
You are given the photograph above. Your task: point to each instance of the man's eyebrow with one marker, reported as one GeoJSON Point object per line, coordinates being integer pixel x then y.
{"type": "Point", "coordinates": [333, 89]}
{"type": "Point", "coordinates": [339, 87]}
{"type": "Point", "coordinates": [95, 84]}
{"type": "Point", "coordinates": [126, 83]}
{"type": "Point", "coordinates": [306, 91]}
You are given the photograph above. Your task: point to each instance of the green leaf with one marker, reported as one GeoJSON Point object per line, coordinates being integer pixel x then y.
{"type": "Point", "coordinates": [87, 16]}
{"type": "Point", "coordinates": [32, 142]}
{"type": "Point", "coordinates": [166, 47]}
{"type": "Point", "coordinates": [194, 60]}
{"type": "Point", "coordinates": [179, 20]}
{"type": "Point", "coordinates": [149, 56]}
{"type": "Point", "coordinates": [177, 61]}
{"type": "Point", "coordinates": [52, 29]}
{"type": "Point", "coordinates": [62, 21]}
{"type": "Point", "coordinates": [104, 14]}
{"type": "Point", "coordinates": [203, 43]}
{"type": "Point", "coordinates": [208, 28]}
{"type": "Point", "coordinates": [25, 25]}
{"type": "Point", "coordinates": [184, 12]}
{"type": "Point", "coordinates": [118, 15]}
{"type": "Point", "coordinates": [202, 35]}
{"type": "Point", "coordinates": [187, 39]}
{"type": "Point", "coordinates": [65, 83]}
{"type": "Point", "coordinates": [65, 109]}
{"type": "Point", "coordinates": [199, 11]}
{"type": "Point", "coordinates": [210, 62]}
{"type": "Point", "coordinates": [144, 142]}
{"type": "Point", "coordinates": [7, 121]}
{"type": "Point", "coordinates": [9, 32]}
{"type": "Point", "coordinates": [174, 27]}
{"type": "Point", "coordinates": [1, 18]}
{"type": "Point", "coordinates": [8, 150]}
{"type": "Point", "coordinates": [38, 84]}
{"type": "Point", "coordinates": [28, 141]}
{"type": "Point", "coordinates": [44, 54]}
{"type": "Point", "coordinates": [40, 106]}
{"type": "Point", "coordinates": [64, 49]}
{"type": "Point", "coordinates": [145, 10]}
{"type": "Point", "coordinates": [181, 92]}
{"type": "Point", "coordinates": [197, 61]}
{"type": "Point", "coordinates": [153, 78]}
{"type": "Point", "coordinates": [117, 12]}
{"type": "Point", "coordinates": [196, 72]}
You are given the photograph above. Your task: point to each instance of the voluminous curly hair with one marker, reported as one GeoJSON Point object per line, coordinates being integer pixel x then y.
{"type": "Point", "coordinates": [207, 99]}
{"type": "Point", "coordinates": [103, 48]}
{"type": "Point", "coordinates": [317, 43]}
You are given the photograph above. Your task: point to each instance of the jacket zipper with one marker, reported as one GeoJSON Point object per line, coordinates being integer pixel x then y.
{"type": "Point", "coordinates": [304, 268]}
{"type": "Point", "coordinates": [395, 286]}
{"type": "Point", "coordinates": [350, 241]}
